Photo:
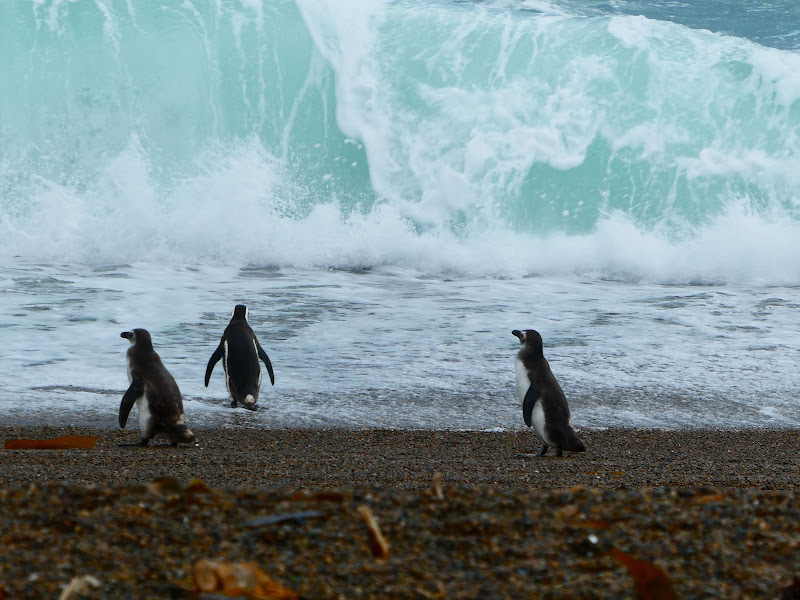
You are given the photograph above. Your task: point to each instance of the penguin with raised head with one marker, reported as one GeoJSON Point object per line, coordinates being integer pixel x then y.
{"type": "Point", "coordinates": [239, 350]}
{"type": "Point", "coordinates": [155, 393]}
{"type": "Point", "coordinates": [543, 402]}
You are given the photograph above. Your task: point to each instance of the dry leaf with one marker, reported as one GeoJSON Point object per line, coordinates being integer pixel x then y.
{"type": "Point", "coordinates": [377, 543]}
{"type": "Point", "coordinates": [238, 579]}
{"type": "Point", "coordinates": [78, 585]}
{"type": "Point", "coordinates": [197, 492]}
{"type": "Point", "coordinates": [165, 486]}
{"type": "Point", "coordinates": [205, 575]}
{"type": "Point", "coordinates": [650, 582]}
{"type": "Point", "coordinates": [59, 443]}
{"type": "Point", "coordinates": [578, 489]}
{"type": "Point", "coordinates": [437, 486]}
{"type": "Point", "coordinates": [439, 594]}
{"type": "Point", "coordinates": [198, 486]}
{"type": "Point", "coordinates": [705, 499]}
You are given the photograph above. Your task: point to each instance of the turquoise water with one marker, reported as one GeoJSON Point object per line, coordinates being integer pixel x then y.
{"type": "Point", "coordinates": [628, 146]}
{"type": "Point", "coordinates": [227, 132]}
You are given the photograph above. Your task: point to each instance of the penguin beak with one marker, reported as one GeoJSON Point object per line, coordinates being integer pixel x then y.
{"type": "Point", "coordinates": [127, 335]}
{"type": "Point", "coordinates": [520, 335]}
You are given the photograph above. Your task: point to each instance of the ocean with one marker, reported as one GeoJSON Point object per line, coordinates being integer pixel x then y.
{"type": "Point", "coordinates": [391, 188]}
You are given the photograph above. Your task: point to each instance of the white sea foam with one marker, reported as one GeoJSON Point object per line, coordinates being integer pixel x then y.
{"type": "Point", "coordinates": [128, 219]}
{"type": "Point", "coordinates": [389, 348]}
{"type": "Point", "coordinates": [621, 146]}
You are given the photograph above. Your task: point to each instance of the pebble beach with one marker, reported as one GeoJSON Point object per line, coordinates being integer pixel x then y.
{"type": "Point", "coordinates": [465, 514]}
{"type": "Point", "coordinates": [394, 191]}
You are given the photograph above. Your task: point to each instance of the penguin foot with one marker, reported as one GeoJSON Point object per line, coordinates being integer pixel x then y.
{"type": "Point", "coordinates": [234, 404]}
{"type": "Point", "coordinates": [559, 451]}
{"type": "Point", "coordinates": [543, 451]}
{"type": "Point", "coordinates": [141, 443]}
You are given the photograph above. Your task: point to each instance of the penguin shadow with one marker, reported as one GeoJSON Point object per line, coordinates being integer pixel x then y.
{"type": "Point", "coordinates": [544, 405]}
{"type": "Point", "coordinates": [141, 445]}
{"type": "Point", "coordinates": [539, 455]}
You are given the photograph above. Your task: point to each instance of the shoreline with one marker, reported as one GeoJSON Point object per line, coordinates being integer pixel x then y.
{"type": "Point", "coordinates": [406, 459]}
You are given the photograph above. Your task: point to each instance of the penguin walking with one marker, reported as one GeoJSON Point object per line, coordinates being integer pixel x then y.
{"type": "Point", "coordinates": [239, 350]}
{"type": "Point", "coordinates": [543, 402]}
{"type": "Point", "coordinates": [155, 393]}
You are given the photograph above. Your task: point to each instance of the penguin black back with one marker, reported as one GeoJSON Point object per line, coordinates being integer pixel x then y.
{"type": "Point", "coordinates": [544, 404]}
{"type": "Point", "coordinates": [240, 352]}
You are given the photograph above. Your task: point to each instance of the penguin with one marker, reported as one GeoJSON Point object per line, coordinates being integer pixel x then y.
{"type": "Point", "coordinates": [155, 393]}
{"type": "Point", "coordinates": [239, 350]}
{"type": "Point", "coordinates": [543, 402]}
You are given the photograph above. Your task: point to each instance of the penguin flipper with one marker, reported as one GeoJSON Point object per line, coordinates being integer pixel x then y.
{"type": "Point", "coordinates": [532, 395]}
{"type": "Point", "coordinates": [213, 361]}
{"type": "Point", "coordinates": [263, 356]}
{"type": "Point", "coordinates": [135, 391]}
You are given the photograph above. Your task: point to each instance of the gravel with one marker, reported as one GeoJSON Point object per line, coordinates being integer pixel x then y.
{"type": "Point", "coordinates": [716, 511]}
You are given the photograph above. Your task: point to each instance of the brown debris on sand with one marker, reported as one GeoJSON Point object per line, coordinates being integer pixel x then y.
{"type": "Point", "coordinates": [66, 442]}
{"type": "Point", "coordinates": [377, 543]}
{"type": "Point", "coordinates": [244, 580]}
{"type": "Point", "coordinates": [504, 528]}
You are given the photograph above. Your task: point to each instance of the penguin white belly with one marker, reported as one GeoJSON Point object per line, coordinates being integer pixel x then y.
{"type": "Point", "coordinates": [225, 367]}
{"type": "Point", "coordinates": [539, 423]}
{"type": "Point", "coordinates": [143, 406]}
{"type": "Point", "coordinates": [523, 382]}
{"type": "Point", "coordinates": [255, 349]}
{"type": "Point", "coordinates": [537, 418]}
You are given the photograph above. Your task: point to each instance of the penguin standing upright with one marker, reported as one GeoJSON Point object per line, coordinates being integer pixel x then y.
{"type": "Point", "coordinates": [239, 350]}
{"type": "Point", "coordinates": [543, 402]}
{"type": "Point", "coordinates": [155, 393]}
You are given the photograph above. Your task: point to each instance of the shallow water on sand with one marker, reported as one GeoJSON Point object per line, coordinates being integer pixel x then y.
{"type": "Point", "coordinates": [392, 348]}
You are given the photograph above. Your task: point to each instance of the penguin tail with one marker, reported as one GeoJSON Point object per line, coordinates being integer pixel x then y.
{"type": "Point", "coordinates": [574, 444]}
{"type": "Point", "coordinates": [250, 401]}
{"type": "Point", "coordinates": [182, 433]}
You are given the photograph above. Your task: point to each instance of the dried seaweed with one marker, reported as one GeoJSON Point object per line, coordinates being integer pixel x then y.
{"type": "Point", "coordinates": [59, 443]}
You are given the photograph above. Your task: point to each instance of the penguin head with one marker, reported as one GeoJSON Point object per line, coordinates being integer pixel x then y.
{"type": "Point", "coordinates": [240, 312]}
{"type": "Point", "coordinates": [138, 336]}
{"type": "Point", "coordinates": [531, 339]}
